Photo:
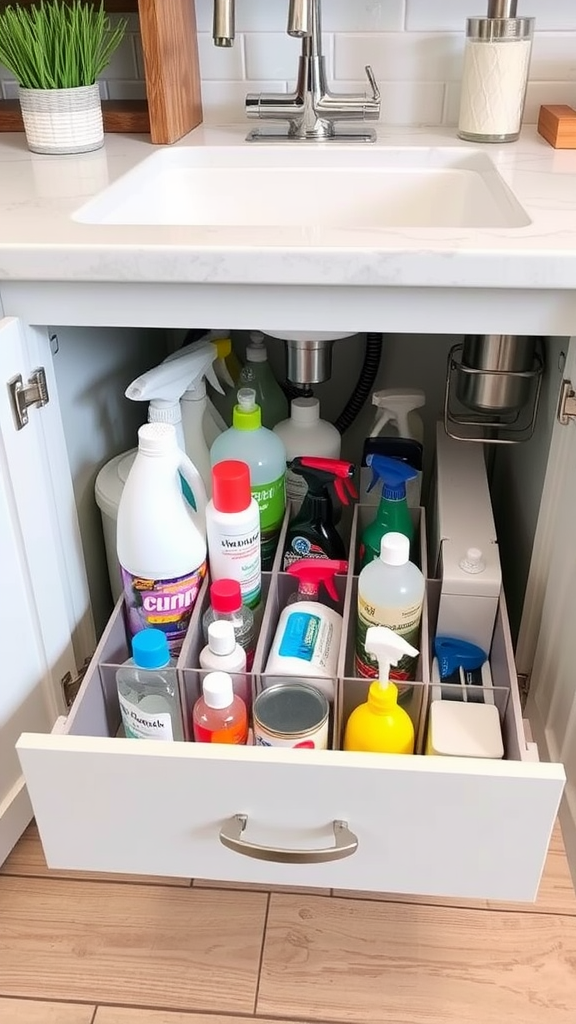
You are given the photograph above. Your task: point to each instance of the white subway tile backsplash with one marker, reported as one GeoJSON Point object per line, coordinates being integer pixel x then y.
{"type": "Point", "coordinates": [450, 15]}
{"type": "Point", "coordinates": [221, 63]}
{"type": "Point", "coordinates": [414, 46]}
{"type": "Point", "coordinates": [272, 55]}
{"type": "Point", "coordinates": [223, 102]}
{"type": "Point", "coordinates": [403, 56]}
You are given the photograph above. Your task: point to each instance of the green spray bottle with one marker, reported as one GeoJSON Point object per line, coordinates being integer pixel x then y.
{"type": "Point", "coordinates": [393, 515]}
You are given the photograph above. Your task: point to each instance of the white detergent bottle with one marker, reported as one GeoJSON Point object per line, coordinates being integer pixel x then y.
{"type": "Point", "coordinates": [160, 539]}
{"type": "Point", "coordinates": [304, 433]}
{"type": "Point", "coordinates": [176, 391]}
{"type": "Point", "coordinates": [397, 432]}
{"type": "Point", "coordinates": [307, 639]}
{"type": "Point", "coordinates": [264, 453]}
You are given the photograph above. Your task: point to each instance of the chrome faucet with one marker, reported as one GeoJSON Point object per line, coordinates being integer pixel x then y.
{"type": "Point", "coordinates": [311, 111]}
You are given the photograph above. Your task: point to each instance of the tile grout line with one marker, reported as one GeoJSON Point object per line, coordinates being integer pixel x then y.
{"type": "Point", "coordinates": [262, 948]}
{"type": "Point", "coordinates": [93, 1017]}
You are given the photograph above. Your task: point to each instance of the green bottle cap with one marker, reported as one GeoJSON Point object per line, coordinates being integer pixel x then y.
{"type": "Point", "coordinates": [247, 415]}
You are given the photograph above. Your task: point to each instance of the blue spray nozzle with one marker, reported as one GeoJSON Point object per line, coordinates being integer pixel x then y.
{"type": "Point", "coordinates": [393, 473]}
{"type": "Point", "coordinates": [453, 654]}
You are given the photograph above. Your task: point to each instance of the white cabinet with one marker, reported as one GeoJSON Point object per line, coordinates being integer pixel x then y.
{"type": "Point", "coordinates": [459, 828]}
{"type": "Point", "coordinates": [35, 620]}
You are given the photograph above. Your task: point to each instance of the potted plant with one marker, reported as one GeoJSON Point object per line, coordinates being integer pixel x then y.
{"type": "Point", "coordinates": [56, 51]}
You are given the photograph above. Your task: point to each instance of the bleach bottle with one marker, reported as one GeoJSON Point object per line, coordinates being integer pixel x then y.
{"type": "Point", "coordinates": [160, 539]}
{"type": "Point", "coordinates": [393, 515]}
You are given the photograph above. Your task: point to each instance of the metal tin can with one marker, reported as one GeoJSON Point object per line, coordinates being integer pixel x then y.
{"type": "Point", "coordinates": [291, 715]}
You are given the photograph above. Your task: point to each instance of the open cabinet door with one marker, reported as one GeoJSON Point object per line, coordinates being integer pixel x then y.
{"type": "Point", "coordinates": [547, 639]}
{"type": "Point", "coordinates": [35, 634]}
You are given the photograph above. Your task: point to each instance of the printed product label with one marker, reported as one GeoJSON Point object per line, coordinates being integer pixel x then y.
{"type": "Point", "coordinates": [236, 734]}
{"type": "Point", "coordinates": [317, 740]}
{"type": "Point", "coordinates": [405, 621]}
{"type": "Point", "coordinates": [240, 553]}
{"type": "Point", "coordinates": [301, 547]}
{"type": "Point", "coordinates": [163, 604]}
{"type": "Point", "coordinates": [311, 639]}
{"type": "Point", "coordinates": [271, 500]}
{"type": "Point", "coordinates": [141, 725]}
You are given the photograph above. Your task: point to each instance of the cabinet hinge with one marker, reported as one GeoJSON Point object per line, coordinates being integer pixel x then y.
{"type": "Point", "coordinates": [71, 684]}
{"type": "Point", "coordinates": [24, 396]}
{"type": "Point", "coordinates": [567, 403]}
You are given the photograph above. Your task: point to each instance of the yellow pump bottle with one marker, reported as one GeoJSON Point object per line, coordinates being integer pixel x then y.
{"type": "Point", "coordinates": [380, 726]}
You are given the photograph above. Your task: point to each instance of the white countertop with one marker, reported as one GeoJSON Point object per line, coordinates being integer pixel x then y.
{"type": "Point", "coordinates": [39, 240]}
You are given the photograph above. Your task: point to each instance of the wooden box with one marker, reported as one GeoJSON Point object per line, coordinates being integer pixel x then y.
{"type": "Point", "coordinates": [169, 44]}
{"type": "Point", "coordinates": [557, 124]}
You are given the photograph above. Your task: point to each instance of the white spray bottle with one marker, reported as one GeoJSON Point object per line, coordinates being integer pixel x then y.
{"type": "Point", "coordinates": [176, 391]}
{"type": "Point", "coordinates": [380, 725]}
{"type": "Point", "coordinates": [397, 432]}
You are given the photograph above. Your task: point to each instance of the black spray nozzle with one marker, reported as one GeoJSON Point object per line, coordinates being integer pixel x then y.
{"type": "Point", "coordinates": [325, 476]}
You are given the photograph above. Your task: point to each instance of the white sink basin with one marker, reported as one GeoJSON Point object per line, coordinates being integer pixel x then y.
{"type": "Point", "coordinates": [275, 186]}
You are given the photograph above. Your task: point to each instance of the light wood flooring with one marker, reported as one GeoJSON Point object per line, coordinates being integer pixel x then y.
{"type": "Point", "coordinates": [94, 949]}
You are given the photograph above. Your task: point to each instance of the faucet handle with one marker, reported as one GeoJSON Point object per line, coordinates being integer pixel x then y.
{"type": "Point", "coordinates": [373, 83]}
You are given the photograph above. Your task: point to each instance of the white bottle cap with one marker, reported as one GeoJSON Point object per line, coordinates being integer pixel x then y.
{"type": "Point", "coordinates": [157, 438]}
{"type": "Point", "coordinates": [218, 690]}
{"type": "Point", "coordinates": [473, 561]}
{"type": "Point", "coordinates": [256, 350]}
{"type": "Point", "coordinates": [221, 637]}
{"type": "Point", "coordinates": [305, 412]}
{"type": "Point", "coordinates": [394, 549]}
{"type": "Point", "coordinates": [164, 412]}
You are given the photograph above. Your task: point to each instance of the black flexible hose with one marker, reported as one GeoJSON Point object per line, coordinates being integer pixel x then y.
{"type": "Point", "coordinates": [365, 384]}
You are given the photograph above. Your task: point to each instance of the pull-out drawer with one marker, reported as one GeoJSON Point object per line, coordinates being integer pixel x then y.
{"type": "Point", "coordinates": [426, 825]}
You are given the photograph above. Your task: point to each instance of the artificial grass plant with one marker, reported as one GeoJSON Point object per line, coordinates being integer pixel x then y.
{"type": "Point", "coordinates": [57, 45]}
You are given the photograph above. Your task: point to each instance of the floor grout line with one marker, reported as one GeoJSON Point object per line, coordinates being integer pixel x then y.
{"type": "Point", "coordinates": [261, 958]}
{"type": "Point", "coordinates": [93, 1017]}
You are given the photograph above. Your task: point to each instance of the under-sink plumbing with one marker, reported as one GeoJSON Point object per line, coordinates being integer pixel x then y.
{"type": "Point", "coordinates": [311, 111]}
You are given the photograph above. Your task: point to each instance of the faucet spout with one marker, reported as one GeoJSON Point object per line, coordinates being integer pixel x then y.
{"type": "Point", "coordinates": [223, 29]}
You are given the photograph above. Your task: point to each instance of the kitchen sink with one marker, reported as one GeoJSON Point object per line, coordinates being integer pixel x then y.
{"type": "Point", "coordinates": [288, 186]}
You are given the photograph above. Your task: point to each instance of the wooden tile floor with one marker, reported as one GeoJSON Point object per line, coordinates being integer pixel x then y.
{"type": "Point", "coordinates": [80, 949]}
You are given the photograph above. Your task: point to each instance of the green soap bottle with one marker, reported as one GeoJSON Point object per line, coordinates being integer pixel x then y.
{"type": "Point", "coordinates": [393, 514]}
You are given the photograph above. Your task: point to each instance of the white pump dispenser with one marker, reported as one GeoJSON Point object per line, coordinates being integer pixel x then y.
{"type": "Point", "coordinates": [176, 391]}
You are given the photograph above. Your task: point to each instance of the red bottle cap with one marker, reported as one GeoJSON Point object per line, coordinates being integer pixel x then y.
{"type": "Point", "coordinates": [231, 486]}
{"type": "Point", "coordinates": [225, 596]}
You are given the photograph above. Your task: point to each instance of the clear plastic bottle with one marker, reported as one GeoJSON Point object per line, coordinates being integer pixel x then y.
{"type": "Point", "coordinates": [148, 690]}
{"type": "Point", "coordinates": [222, 653]}
{"type": "Point", "coordinates": [391, 594]}
{"type": "Point", "coordinates": [257, 373]}
{"type": "Point", "coordinates": [226, 605]}
{"type": "Point", "coordinates": [219, 716]}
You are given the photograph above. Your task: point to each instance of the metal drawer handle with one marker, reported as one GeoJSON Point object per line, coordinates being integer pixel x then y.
{"type": "Point", "coordinates": [232, 831]}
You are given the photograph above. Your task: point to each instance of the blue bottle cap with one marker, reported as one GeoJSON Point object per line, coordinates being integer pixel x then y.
{"type": "Point", "coordinates": [150, 649]}
{"type": "Point", "coordinates": [393, 474]}
{"type": "Point", "coordinates": [453, 653]}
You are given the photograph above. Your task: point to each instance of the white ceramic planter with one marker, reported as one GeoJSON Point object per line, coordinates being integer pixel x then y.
{"type": "Point", "coordinates": [62, 120]}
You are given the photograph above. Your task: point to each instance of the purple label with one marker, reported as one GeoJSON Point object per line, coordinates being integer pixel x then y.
{"type": "Point", "coordinates": [163, 604]}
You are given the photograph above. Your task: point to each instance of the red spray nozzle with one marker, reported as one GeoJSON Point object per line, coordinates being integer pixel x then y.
{"type": "Point", "coordinates": [321, 473]}
{"type": "Point", "coordinates": [311, 572]}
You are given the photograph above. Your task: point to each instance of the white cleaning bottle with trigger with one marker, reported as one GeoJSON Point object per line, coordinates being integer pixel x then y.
{"type": "Point", "coordinates": [380, 726]}
{"type": "Point", "coordinates": [397, 432]}
{"type": "Point", "coordinates": [176, 391]}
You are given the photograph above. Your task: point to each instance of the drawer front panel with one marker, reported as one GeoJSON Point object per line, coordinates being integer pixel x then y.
{"type": "Point", "coordinates": [429, 826]}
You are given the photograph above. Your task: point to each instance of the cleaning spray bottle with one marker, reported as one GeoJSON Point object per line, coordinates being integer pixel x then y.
{"type": "Point", "coordinates": [248, 441]}
{"type": "Point", "coordinates": [176, 391]}
{"type": "Point", "coordinates": [397, 432]}
{"type": "Point", "coordinates": [307, 638]}
{"type": "Point", "coordinates": [393, 515]}
{"type": "Point", "coordinates": [380, 725]}
{"type": "Point", "coordinates": [312, 533]}
{"type": "Point", "coordinates": [161, 542]}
